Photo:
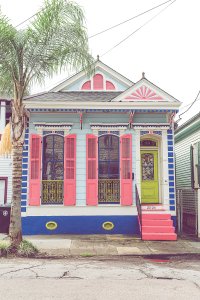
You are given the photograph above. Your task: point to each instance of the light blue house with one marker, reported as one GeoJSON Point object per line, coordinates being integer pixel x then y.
{"type": "Point", "coordinates": [98, 153]}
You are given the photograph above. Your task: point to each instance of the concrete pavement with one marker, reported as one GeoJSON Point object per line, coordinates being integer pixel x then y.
{"type": "Point", "coordinates": [97, 278]}
{"type": "Point", "coordinates": [98, 245]}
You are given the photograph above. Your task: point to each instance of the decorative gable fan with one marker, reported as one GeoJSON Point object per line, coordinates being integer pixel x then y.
{"type": "Point", "coordinates": [143, 93]}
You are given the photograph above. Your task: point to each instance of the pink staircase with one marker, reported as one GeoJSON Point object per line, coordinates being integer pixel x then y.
{"type": "Point", "coordinates": [158, 227]}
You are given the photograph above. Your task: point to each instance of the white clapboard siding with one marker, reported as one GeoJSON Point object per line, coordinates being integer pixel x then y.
{"type": "Point", "coordinates": [183, 164]}
{"type": "Point", "coordinates": [6, 171]}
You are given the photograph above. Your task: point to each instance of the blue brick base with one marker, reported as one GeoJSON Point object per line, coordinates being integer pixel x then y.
{"type": "Point", "coordinates": [80, 225]}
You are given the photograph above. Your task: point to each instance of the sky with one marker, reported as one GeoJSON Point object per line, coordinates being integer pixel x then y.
{"type": "Point", "coordinates": [167, 49]}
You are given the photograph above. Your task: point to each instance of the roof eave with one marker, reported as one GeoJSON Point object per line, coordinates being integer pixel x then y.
{"type": "Point", "coordinates": [103, 105]}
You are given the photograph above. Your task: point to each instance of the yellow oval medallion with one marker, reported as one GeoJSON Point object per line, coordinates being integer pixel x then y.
{"type": "Point", "coordinates": [108, 225]}
{"type": "Point", "coordinates": [51, 225]}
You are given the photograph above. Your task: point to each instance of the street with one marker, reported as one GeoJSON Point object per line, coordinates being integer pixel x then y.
{"type": "Point", "coordinates": [89, 278]}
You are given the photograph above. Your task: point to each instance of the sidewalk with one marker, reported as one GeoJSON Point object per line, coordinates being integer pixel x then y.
{"type": "Point", "coordinates": [98, 245]}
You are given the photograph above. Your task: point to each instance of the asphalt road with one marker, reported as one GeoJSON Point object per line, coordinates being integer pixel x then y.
{"type": "Point", "coordinates": [103, 279]}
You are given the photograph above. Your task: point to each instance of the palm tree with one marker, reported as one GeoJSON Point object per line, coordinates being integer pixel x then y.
{"type": "Point", "coordinates": [55, 39]}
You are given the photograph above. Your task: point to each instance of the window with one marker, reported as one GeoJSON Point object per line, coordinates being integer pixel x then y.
{"type": "Point", "coordinates": [53, 169]}
{"type": "Point", "coordinates": [195, 164]}
{"type": "Point", "coordinates": [3, 190]}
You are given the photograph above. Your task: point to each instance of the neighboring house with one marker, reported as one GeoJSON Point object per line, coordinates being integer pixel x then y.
{"type": "Point", "coordinates": [90, 145]}
{"type": "Point", "coordinates": [187, 149]}
{"type": "Point", "coordinates": [5, 159]}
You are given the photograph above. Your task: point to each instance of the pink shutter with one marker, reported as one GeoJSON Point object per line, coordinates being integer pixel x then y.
{"type": "Point", "coordinates": [70, 170]}
{"type": "Point", "coordinates": [126, 169]}
{"type": "Point", "coordinates": [35, 170]}
{"type": "Point", "coordinates": [92, 170]}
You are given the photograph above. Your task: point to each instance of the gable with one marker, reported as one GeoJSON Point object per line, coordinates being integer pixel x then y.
{"type": "Point", "coordinates": [104, 79]}
{"type": "Point", "coordinates": [144, 91]}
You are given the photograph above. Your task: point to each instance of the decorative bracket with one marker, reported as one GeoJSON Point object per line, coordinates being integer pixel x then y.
{"type": "Point", "coordinates": [81, 120]}
{"type": "Point", "coordinates": [131, 119]}
{"type": "Point", "coordinates": [171, 119]}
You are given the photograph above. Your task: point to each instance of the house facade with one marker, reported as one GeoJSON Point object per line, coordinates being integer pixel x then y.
{"type": "Point", "coordinates": [187, 151]}
{"type": "Point", "coordinates": [5, 159]}
{"type": "Point", "coordinates": [93, 147]}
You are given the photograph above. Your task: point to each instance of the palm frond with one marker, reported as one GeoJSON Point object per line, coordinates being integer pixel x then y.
{"type": "Point", "coordinates": [56, 39]}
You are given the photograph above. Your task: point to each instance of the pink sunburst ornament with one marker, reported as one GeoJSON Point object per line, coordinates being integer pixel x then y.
{"type": "Point", "coordinates": [144, 93]}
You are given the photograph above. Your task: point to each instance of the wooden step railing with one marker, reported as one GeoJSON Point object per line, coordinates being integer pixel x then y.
{"type": "Point", "coordinates": [139, 209]}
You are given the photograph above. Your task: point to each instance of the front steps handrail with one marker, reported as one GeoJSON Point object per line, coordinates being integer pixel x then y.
{"type": "Point", "coordinates": [139, 209]}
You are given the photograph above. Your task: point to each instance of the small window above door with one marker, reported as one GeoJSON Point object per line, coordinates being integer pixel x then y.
{"type": "Point", "coordinates": [148, 143]}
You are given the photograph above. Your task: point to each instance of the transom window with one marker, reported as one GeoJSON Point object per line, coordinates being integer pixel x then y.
{"type": "Point", "coordinates": [148, 143]}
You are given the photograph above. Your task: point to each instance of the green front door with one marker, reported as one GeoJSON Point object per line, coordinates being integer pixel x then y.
{"type": "Point", "coordinates": [149, 176]}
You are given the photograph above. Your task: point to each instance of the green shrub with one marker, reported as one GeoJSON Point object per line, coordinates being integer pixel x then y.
{"type": "Point", "coordinates": [4, 248]}
{"type": "Point", "coordinates": [27, 249]}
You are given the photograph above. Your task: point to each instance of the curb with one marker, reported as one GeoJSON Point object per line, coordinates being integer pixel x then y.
{"type": "Point", "coordinates": [114, 257]}
{"type": "Point", "coordinates": [164, 256]}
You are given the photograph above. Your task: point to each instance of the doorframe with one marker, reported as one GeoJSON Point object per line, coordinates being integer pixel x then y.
{"type": "Point", "coordinates": [6, 188]}
{"type": "Point", "coordinates": [158, 148]}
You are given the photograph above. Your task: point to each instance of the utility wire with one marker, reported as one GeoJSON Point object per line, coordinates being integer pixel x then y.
{"type": "Point", "coordinates": [114, 26]}
{"type": "Point", "coordinates": [136, 30]}
{"type": "Point", "coordinates": [181, 108]}
{"type": "Point", "coordinates": [29, 18]}
{"type": "Point", "coordinates": [196, 99]}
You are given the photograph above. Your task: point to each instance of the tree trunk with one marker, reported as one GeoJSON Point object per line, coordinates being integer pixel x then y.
{"type": "Point", "coordinates": [15, 230]}
{"type": "Point", "coordinates": [18, 126]}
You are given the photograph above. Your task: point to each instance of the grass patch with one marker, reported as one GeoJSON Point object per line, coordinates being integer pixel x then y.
{"type": "Point", "coordinates": [4, 248]}
{"type": "Point", "coordinates": [27, 249]}
{"type": "Point", "coordinates": [87, 254]}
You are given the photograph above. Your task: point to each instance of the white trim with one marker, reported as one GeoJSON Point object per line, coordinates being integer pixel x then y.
{"type": "Point", "coordinates": [40, 127]}
{"type": "Point", "coordinates": [121, 127]}
{"type": "Point", "coordinates": [165, 173]}
{"type": "Point", "coordinates": [195, 164]}
{"type": "Point", "coordinates": [138, 163]}
{"type": "Point", "coordinates": [81, 210]}
{"type": "Point", "coordinates": [102, 105]}
{"type": "Point", "coordinates": [2, 116]}
{"type": "Point", "coordinates": [107, 210]}
{"type": "Point", "coordinates": [157, 148]}
{"type": "Point", "coordinates": [162, 148]}
{"type": "Point", "coordinates": [151, 126]}
{"type": "Point", "coordinates": [109, 126]}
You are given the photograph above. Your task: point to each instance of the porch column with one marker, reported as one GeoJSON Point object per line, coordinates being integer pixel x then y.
{"type": "Point", "coordinates": [2, 116]}
{"type": "Point", "coordinates": [165, 179]}
{"type": "Point", "coordinates": [138, 163]}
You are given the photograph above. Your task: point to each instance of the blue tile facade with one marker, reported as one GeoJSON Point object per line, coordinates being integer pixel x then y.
{"type": "Point", "coordinates": [170, 138]}
{"type": "Point", "coordinates": [25, 171]}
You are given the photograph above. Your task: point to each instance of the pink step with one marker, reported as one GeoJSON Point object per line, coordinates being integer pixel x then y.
{"type": "Point", "coordinates": [157, 222]}
{"type": "Point", "coordinates": [156, 216]}
{"type": "Point", "coordinates": [158, 229]}
{"type": "Point", "coordinates": [159, 236]}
